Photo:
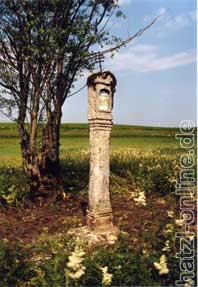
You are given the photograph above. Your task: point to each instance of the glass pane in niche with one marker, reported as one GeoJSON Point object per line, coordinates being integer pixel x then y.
{"type": "Point", "coordinates": [104, 100]}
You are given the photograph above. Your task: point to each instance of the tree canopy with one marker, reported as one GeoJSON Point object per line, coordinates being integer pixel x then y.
{"type": "Point", "coordinates": [44, 46]}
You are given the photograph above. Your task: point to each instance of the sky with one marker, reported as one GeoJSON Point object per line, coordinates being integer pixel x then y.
{"type": "Point", "coordinates": [156, 73]}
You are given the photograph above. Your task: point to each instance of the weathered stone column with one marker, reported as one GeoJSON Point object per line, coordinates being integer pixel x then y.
{"type": "Point", "coordinates": [101, 88]}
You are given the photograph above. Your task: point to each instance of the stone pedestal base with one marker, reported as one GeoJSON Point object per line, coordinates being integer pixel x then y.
{"type": "Point", "coordinates": [97, 237]}
{"type": "Point", "coordinates": [99, 222]}
{"type": "Point", "coordinates": [99, 230]}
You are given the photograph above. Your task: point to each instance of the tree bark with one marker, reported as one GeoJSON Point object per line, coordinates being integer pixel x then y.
{"type": "Point", "coordinates": [50, 164]}
{"type": "Point", "coordinates": [43, 170]}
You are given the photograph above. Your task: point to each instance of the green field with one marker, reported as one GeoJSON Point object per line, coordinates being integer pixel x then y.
{"type": "Point", "coordinates": [144, 168]}
{"type": "Point", "coordinates": [75, 137]}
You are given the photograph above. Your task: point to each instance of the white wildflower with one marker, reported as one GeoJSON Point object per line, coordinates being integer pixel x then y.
{"type": "Point", "coordinates": [170, 213]}
{"type": "Point", "coordinates": [75, 259]}
{"type": "Point", "coordinates": [76, 275]}
{"type": "Point", "coordinates": [167, 246]}
{"type": "Point", "coordinates": [162, 265]}
{"type": "Point", "coordinates": [169, 228]}
{"type": "Point", "coordinates": [140, 199]}
{"type": "Point", "coordinates": [107, 277]}
{"type": "Point", "coordinates": [179, 222]}
{"type": "Point", "coordinates": [190, 235]}
{"type": "Point", "coordinates": [192, 195]}
{"type": "Point", "coordinates": [189, 283]}
{"type": "Point", "coordinates": [76, 268]}
{"type": "Point", "coordinates": [145, 252]}
{"type": "Point", "coordinates": [161, 201]}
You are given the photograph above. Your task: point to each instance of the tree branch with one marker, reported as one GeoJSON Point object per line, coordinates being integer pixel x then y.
{"type": "Point", "coordinates": [127, 41]}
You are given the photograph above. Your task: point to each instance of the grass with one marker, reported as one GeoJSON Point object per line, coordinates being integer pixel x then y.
{"type": "Point", "coordinates": [75, 137]}
{"type": "Point", "coordinates": [10, 130]}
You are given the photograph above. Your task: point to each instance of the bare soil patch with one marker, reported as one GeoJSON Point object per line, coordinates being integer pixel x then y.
{"type": "Point", "coordinates": [25, 224]}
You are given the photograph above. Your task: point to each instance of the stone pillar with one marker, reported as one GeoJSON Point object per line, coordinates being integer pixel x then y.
{"type": "Point", "coordinates": [101, 88]}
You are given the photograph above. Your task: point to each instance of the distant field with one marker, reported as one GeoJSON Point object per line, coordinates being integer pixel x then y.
{"type": "Point", "coordinates": [82, 130]}
{"type": "Point", "coordinates": [75, 137]}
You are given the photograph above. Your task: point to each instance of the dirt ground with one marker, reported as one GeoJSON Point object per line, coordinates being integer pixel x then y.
{"type": "Point", "coordinates": [25, 224]}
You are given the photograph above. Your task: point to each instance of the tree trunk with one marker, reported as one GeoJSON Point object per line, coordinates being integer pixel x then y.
{"type": "Point", "coordinates": [44, 171]}
{"type": "Point", "coordinates": [50, 165]}
{"type": "Point", "coordinates": [30, 161]}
